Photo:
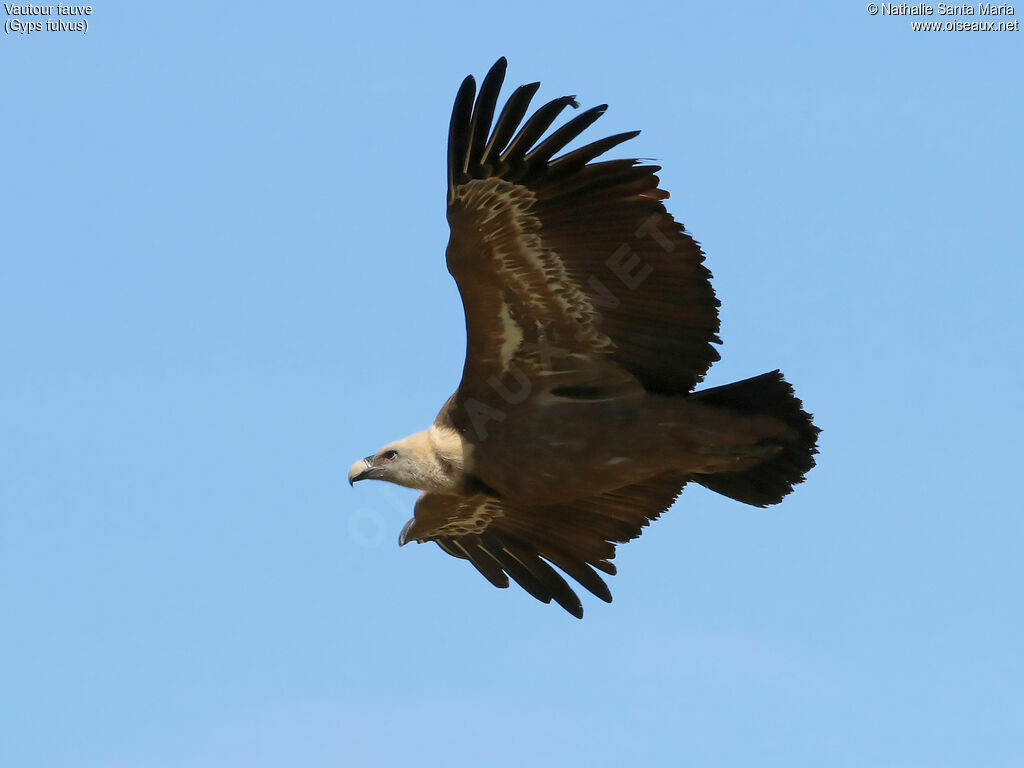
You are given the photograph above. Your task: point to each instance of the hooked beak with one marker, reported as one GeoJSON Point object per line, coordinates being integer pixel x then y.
{"type": "Point", "coordinates": [362, 470]}
{"type": "Point", "coordinates": [407, 534]}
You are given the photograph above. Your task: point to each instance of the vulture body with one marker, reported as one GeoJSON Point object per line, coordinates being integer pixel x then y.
{"type": "Point", "coordinates": [590, 318]}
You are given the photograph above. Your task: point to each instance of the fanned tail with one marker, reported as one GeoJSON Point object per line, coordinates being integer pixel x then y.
{"type": "Point", "coordinates": [768, 482]}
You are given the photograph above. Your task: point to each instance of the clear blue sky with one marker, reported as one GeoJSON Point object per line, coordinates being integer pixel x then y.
{"type": "Point", "coordinates": [222, 281]}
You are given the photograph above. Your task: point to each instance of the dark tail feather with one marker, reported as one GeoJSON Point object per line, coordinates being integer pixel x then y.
{"type": "Point", "coordinates": [771, 480]}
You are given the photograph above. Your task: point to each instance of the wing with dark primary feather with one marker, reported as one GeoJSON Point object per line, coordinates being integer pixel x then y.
{"type": "Point", "coordinates": [524, 543]}
{"type": "Point", "coordinates": [565, 259]}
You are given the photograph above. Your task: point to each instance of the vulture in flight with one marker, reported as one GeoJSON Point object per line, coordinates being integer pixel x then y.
{"type": "Point", "coordinates": [590, 320]}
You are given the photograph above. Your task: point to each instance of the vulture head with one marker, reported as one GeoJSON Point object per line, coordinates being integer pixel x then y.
{"type": "Point", "coordinates": [411, 462]}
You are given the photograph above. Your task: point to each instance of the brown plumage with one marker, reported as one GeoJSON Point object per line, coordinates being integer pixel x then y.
{"type": "Point", "coordinates": [590, 318]}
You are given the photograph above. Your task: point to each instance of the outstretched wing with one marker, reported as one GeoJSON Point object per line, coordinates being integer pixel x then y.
{"type": "Point", "coordinates": [564, 263]}
{"type": "Point", "coordinates": [524, 543]}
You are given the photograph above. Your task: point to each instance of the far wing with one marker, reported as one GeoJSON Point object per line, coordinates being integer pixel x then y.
{"type": "Point", "coordinates": [524, 543]}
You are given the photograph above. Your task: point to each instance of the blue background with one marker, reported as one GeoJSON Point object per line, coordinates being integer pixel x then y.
{"type": "Point", "coordinates": [222, 281]}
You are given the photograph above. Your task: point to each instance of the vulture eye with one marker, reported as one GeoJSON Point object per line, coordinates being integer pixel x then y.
{"type": "Point", "coordinates": [389, 456]}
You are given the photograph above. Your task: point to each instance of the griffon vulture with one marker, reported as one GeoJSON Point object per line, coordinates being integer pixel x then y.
{"type": "Point", "coordinates": [590, 319]}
